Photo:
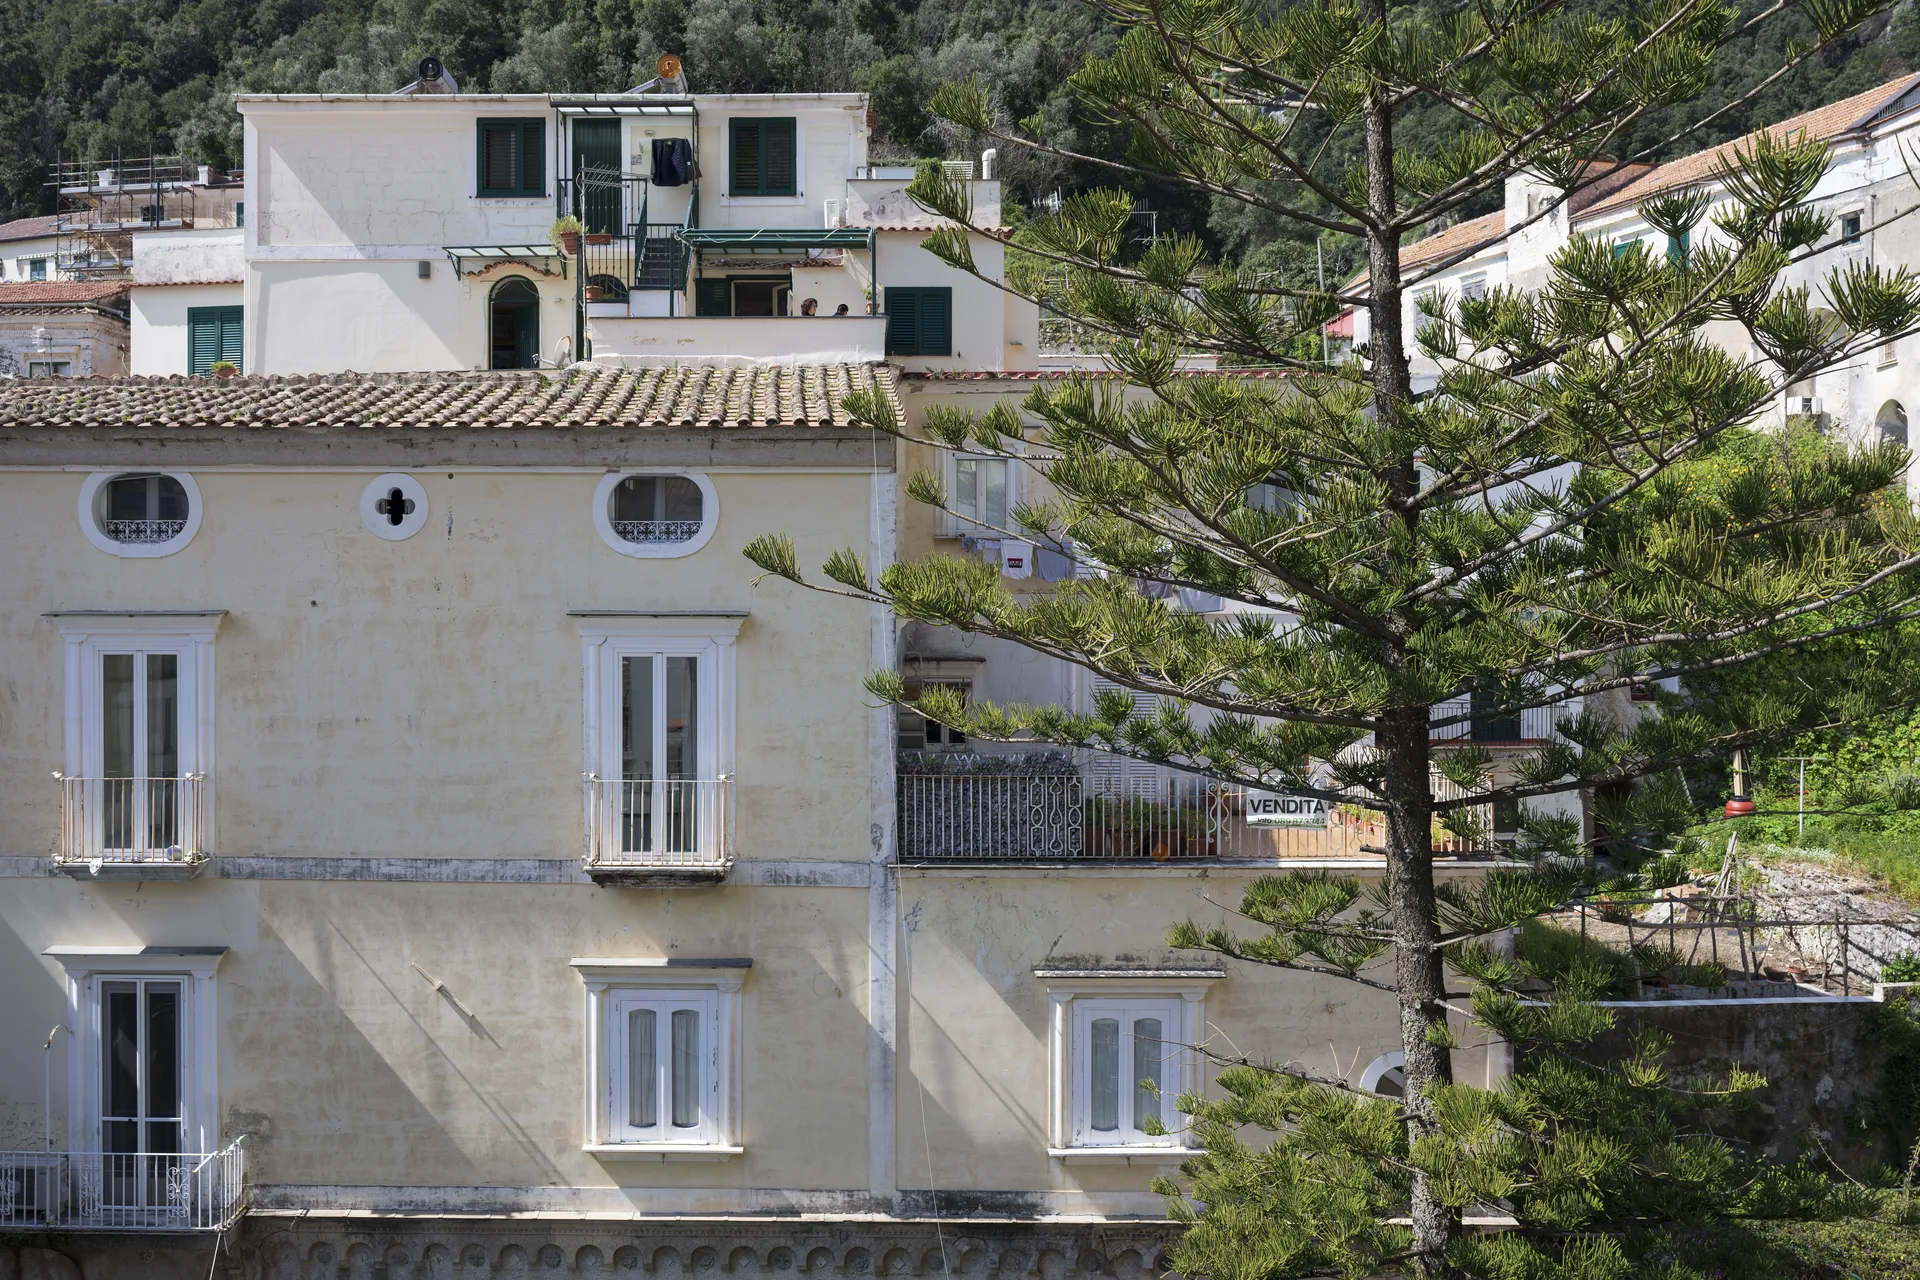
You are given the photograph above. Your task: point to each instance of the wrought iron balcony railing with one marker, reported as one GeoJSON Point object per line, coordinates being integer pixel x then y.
{"type": "Point", "coordinates": [135, 821]}
{"type": "Point", "coordinates": [115, 1191]}
{"type": "Point", "coordinates": [1022, 817]}
{"type": "Point", "coordinates": [657, 824]}
{"type": "Point", "coordinates": [144, 531]}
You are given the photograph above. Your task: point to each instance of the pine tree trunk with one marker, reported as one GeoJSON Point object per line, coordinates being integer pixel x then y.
{"type": "Point", "coordinates": [1417, 969]}
{"type": "Point", "coordinates": [1403, 734]}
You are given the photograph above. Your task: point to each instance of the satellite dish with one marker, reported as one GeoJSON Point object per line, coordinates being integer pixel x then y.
{"type": "Point", "coordinates": [668, 67]}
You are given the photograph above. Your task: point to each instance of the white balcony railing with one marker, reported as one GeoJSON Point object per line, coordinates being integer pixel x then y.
{"type": "Point", "coordinates": [1535, 724]}
{"type": "Point", "coordinates": [111, 1191]}
{"type": "Point", "coordinates": [132, 821]}
{"type": "Point", "coordinates": [677, 824]}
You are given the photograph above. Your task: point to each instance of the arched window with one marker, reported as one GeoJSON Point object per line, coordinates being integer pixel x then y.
{"type": "Point", "coordinates": [1892, 422]}
{"type": "Point", "coordinates": [513, 324]}
{"type": "Point", "coordinates": [1386, 1075]}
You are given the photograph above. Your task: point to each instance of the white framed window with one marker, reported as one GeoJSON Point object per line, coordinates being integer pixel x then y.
{"type": "Point", "coordinates": [1126, 1052]}
{"type": "Point", "coordinates": [1473, 287]}
{"type": "Point", "coordinates": [139, 514]}
{"type": "Point", "coordinates": [663, 1057]}
{"type": "Point", "coordinates": [141, 1074]}
{"type": "Point", "coordinates": [139, 737]}
{"type": "Point", "coordinates": [394, 506]}
{"type": "Point", "coordinates": [1123, 1046]}
{"type": "Point", "coordinates": [655, 515]}
{"type": "Point", "coordinates": [658, 750]}
{"type": "Point", "coordinates": [917, 733]}
{"type": "Point", "coordinates": [49, 368]}
{"type": "Point", "coordinates": [981, 491]}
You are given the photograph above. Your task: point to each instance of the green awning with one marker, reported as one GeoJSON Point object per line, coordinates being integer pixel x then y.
{"type": "Point", "coordinates": [481, 255]}
{"type": "Point", "coordinates": [625, 104]}
{"type": "Point", "coordinates": [776, 240]}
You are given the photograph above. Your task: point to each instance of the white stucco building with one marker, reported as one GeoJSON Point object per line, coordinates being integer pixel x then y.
{"type": "Point", "coordinates": [444, 856]}
{"type": "Point", "coordinates": [1867, 193]}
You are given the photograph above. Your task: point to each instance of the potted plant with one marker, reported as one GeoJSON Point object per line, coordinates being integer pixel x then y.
{"type": "Point", "coordinates": [565, 234]}
{"type": "Point", "coordinates": [223, 369]}
{"type": "Point", "coordinates": [599, 237]}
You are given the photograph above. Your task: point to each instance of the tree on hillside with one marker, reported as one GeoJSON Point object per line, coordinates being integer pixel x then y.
{"type": "Point", "coordinates": [1548, 523]}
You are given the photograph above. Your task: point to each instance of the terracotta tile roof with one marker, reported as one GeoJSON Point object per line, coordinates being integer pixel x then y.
{"type": "Point", "coordinates": [57, 292]}
{"type": "Point", "coordinates": [1044, 375]}
{"type": "Point", "coordinates": [678, 396]}
{"type": "Point", "coordinates": [1461, 238]}
{"type": "Point", "coordinates": [1834, 120]}
{"type": "Point", "coordinates": [27, 228]}
{"type": "Point", "coordinates": [1600, 188]}
{"type": "Point", "coordinates": [43, 225]}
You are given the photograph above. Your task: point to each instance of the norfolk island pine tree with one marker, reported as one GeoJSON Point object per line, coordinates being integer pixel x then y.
{"type": "Point", "coordinates": [1545, 524]}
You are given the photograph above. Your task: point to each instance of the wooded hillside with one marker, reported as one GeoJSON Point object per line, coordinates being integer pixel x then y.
{"type": "Point", "coordinates": [90, 79]}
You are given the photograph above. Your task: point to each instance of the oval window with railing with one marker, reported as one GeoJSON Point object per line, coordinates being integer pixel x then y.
{"type": "Point", "coordinates": [139, 513]}
{"type": "Point", "coordinates": [655, 514]}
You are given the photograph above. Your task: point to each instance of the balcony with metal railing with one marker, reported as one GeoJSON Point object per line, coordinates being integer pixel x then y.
{"type": "Point", "coordinates": [657, 830]}
{"type": "Point", "coordinates": [146, 828]}
{"type": "Point", "coordinates": [1458, 722]}
{"type": "Point", "coordinates": [1005, 818]}
{"type": "Point", "coordinates": [122, 1191]}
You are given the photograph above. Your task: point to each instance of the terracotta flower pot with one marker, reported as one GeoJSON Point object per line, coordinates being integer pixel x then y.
{"type": "Point", "coordinates": [570, 242]}
{"type": "Point", "coordinates": [594, 293]}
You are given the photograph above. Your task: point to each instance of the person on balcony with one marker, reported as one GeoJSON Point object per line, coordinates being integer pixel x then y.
{"type": "Point", "coordinates": [811, 307]}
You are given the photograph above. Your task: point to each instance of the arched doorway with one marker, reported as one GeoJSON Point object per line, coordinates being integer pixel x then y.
{"type": "Point", "coordinates": [513, 324]}
{"type": "Point", "coordinates": [1891, 422]}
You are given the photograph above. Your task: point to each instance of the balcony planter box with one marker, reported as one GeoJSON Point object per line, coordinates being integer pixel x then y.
{"type": "Point", "coordinates": [599, 237]}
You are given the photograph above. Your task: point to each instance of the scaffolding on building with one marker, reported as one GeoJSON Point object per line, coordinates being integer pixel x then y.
{"type": "Point", "coordinates": [101, 203]}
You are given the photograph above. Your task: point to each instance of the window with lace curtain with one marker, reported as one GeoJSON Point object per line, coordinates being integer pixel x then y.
{"type": "Point", "coordinates": [1124, 1045]}
{"type": "Point", "coordinates": [663, 1043]}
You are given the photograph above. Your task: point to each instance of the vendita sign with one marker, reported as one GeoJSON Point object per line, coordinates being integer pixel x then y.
{"type": "Point", "coordinates": [1278, 809]}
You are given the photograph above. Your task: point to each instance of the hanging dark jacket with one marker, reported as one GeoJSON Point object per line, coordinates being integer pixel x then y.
{"type": "Point", "coordinates": [672, 162]}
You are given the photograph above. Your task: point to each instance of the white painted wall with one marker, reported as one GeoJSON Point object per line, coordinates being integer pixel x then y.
{"type": "Point", "coordinates": [215, 255]}
{"type": "Point", "coordinates": [979, 311]}
{"type": "Point", "coordinates": [771, 340]}
{"type": "Point", "coordinates": [159, 329]}
{"type": "Point", "coordinates": [379, 316]}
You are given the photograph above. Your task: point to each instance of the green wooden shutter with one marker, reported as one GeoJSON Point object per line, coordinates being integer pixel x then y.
{"type": "Point", "coordinates": [214, 334]}
{"type": "Point", "coordinates": [777, 169]}
{"type": "Point", "coordinates": [1486, 727]}
{"type": "Point", "coordinates": [511, 157]}
{"type": "Point", "coordinates": [919, 322]}
{"type": "Point", "coordinates": [903, 322]}
{"type": "Point", "coordinates": [497, 169]}
{"type": "Point", "coordinates": [533, 157]}
{"type": "Point", "coordinates": [232, 336]}
{"type": "Point", "coordinates": [712, 296]}
{"type": "Point", "coordinates": [748, 146]}
{"type": "Point", "coordinates": [936, 322]}
{"type": "Point", "coordinates": [203, 341]}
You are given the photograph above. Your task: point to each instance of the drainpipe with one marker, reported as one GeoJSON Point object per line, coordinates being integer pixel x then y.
{"type": "Point", "coordinates": [46, 1084]}
{"type": "Point", "coordinates": [580, 267]}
